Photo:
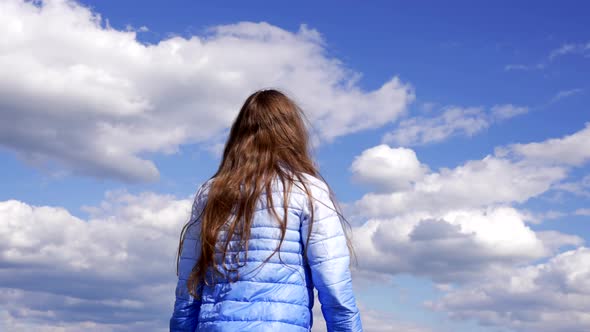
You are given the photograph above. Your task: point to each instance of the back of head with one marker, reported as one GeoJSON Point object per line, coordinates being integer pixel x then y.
{"type": "Point", "coordinates": [268, 141]}
{"type": "Point", "coordinates": [269, 132]}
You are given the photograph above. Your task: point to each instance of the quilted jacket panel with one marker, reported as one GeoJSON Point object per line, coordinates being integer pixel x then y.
{"type": "Point", "coordinates": [278, 295]}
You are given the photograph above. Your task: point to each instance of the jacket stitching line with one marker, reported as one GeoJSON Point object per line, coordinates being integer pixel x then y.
{"type": "Point", "coordinates": [269, 282]}
{"type": "Point", "coordinates": [335, 283]}
{"type": "Point", "coordinates": [253, 320]}
{"type": "Point", "coordinates": [329, 259]}
{"type": "Point", "coordinates": [326, 238]}
{"type": "Point", "coordinates": [258, 301]}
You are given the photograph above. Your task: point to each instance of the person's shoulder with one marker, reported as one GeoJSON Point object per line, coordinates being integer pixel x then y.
{"type": "Point", "coordinates": [316, 186]}
{"type": "Point", "coordinates": [198, 204]}
{"type": "Point", "coordinates": [316, 183]}
{"type": "Point", "coordinates": [202, 192]}
{"type": "Point", "coordinates": [205, 186]}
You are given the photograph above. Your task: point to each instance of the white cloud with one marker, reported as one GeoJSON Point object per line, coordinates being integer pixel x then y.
{"type": "Point", "coordinates": [114, 271]}
{"type": "Point", "coordinates": [467, 185]}
{"type": "Point", "coordinates": [570, 150]}
{"type": "Point", "coordinates": [23, 311]}
{"type": "Point", "coordinates": [456, 223]}
{"type": "Point", "coordinates": [457, 227]}
{"type": "Point", "coordinates": [94, 100]}
{"type": "Point", "coordinates": [388, 169]}
{"type": "Point", "coordinates": [546, 297]}
{"type": "Point", "coordinates": [453, 121]}
{"type": "Point", "coordinates": [456, 246]}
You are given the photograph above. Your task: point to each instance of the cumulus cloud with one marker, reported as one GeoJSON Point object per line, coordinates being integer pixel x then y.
{"type": "Point", "coordinates": [457, 246]}
{"type": "Point", "coordinates": [546, 297]}
{"type": "Point", "coordinates": [459, 228]}
{"type": "Point", "coordinates": [93, 100]}
{"type": "Point", "coordinates": [24, 311]}
{"type": "Point", "coordinates": [425, 226]}
{"type": "Point", "coordinates": [388, 169]}
{"type": "Point", "coordinates": [515, 172]}
{"type": "Point", "coordinates": [467, 185]}
{"type": "Point", "coordinates": [453, 121]}
{"type": "Point", "coordinates": [114, 271]}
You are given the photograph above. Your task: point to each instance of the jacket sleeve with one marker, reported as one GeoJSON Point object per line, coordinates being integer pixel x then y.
{"type": "Point", "coordinates": [186, 307]}
{"type": "Point", "coordinates": [328, 259]}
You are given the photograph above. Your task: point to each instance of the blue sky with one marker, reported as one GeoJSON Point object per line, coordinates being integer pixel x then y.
{"type": "Point", "coordinates": [119, 122]}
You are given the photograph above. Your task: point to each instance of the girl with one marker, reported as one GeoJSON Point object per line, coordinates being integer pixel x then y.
{"type": "Point", "coordinates": [264, 232]}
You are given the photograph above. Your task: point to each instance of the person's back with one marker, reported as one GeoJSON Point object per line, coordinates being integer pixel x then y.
{"type": "Point", "coordinates": [266, 282]}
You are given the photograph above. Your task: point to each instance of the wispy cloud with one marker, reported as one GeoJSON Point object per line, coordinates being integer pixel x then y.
{"type": "Point", "coordinates": [537, 66]}
{"type": "Point", "coordinates": [582, 212]}
{"type": "Point", "coordinates": [453, 121]}
{"type": "Point", "coordinates": [566, 93]}
{"type": "Point", "coordinates": [578, 188]}
{"type": "Point", "coordinates": [566, 49]}
{"type": "Point", "coordinates": [507, 111]}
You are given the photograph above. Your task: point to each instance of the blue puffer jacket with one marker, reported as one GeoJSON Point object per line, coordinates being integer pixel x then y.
{"type": "Point", "coordinates": [274, 296]}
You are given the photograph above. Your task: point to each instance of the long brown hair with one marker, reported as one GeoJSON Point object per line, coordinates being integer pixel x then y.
{"type": "Point", "coordinates": [268, 139]}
